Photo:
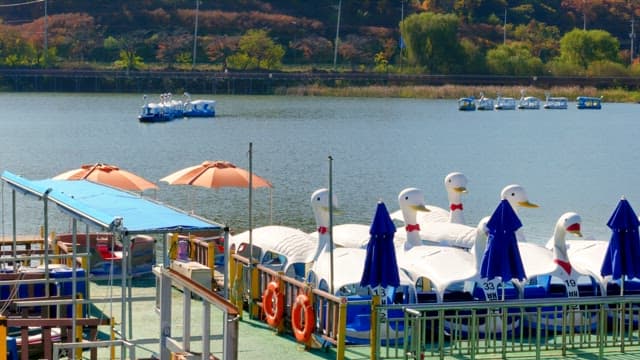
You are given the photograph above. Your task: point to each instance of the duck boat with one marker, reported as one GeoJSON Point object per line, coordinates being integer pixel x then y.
{"type": "Point", "coordinates": [529, 103]}
{"type": "Point", "coordinates": [200, 108]}
{"type": "Point", "coordinates": [168, 108]}
{"type": "Point", "coordinates": [556, 103]}
{"type": "Point", "coordinates": [347, 273]}
{"type": "Point", "coordinates": [466, 104]}
{"type": "Point", "coordinates": [505, 103]}
{"type": "Point", "coordinates": [589, 103]}
{"type": "Point", "coordinates": [280, 248]}
{"type": "Point", "coordinates": [484, 103]}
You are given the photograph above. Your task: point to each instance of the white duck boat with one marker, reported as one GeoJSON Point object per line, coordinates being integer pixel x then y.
{"type": "Point", "coordinates": [349, 235]}
{"type": "Point", "coordinates": [484, 103]}
{"type": "Point", "coordinates": [552, 275]}
{"type": "Point", "coordinates": [463, 236]}
{"type": "Point", "coordinates": [455, 184]}
{"type": "Point", "coordinates": [587, 257]}
{"type": "Point", "coordinates": [505, 103]}
{"type": "Point", "coordinates": [281, 248]}
{"type": "Point", "coordinates": [348, 265]}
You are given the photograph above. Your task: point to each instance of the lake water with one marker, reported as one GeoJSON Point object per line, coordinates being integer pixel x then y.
{"type": "Point", "coordinates": [568, 160]}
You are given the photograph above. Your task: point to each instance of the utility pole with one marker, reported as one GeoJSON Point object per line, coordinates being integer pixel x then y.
{"type": "Point", "coordinates": [632, 37]}
{"type": "Point", "coordinates": [401, 39]}
{"type": "Point", "coordinates": [46, 33]}
{"type": "Point", "coordinates": [584, 14]}
{"type": "Point", "coordinates": [335, 46]}
{"type": "Point", "coordinates": [504, 28]}
{"type": "Point", "coordinates": [195, 36]}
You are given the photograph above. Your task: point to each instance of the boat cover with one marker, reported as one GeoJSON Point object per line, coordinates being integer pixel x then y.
{"type": "Point", "coordinates": [99, 205]}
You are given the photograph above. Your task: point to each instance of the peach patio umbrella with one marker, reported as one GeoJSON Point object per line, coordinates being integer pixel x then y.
{"type": "Point", "coordinates": [108, 175]}
{"type": "Point", "coordinates": [215, 174]}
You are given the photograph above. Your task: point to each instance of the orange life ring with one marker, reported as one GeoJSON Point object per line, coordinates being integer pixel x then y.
{"type": "Point", "coordinates": [302, 309]}
{"type": "Point", "coordinates": [273, 304]}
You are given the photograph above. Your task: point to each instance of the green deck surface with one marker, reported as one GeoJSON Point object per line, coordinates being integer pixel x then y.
{"type": "Point", "coordinates": [256, 339]}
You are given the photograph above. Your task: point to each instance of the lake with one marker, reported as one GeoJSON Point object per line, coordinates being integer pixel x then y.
{"type": "Point", "coordinates": [568, 160]}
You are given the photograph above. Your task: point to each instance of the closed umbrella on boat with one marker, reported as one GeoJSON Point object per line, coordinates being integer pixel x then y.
{"type": "Point", "coordinates": [623, 253]}
{"type": "Point", "coordinates": [381, 265]}
{"type": "Point", "coordinates": [108, 175]}
{"type": "Point", "coordinates": [501, 258]}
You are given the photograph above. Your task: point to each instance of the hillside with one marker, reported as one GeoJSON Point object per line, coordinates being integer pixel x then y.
{"type": "Point", "coordinates": [161, 31]}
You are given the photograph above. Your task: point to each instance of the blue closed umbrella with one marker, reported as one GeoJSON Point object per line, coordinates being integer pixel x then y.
{"type": "Point", "coordinates": [381, 265]}
{"type": "Point", "coordinates": [623, 253]}
{"type": "Point", "coordinates": [502, 255]}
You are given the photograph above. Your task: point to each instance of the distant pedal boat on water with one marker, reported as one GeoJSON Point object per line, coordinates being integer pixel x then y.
{"type": "Point", "coordinates": [589, 103]}
{"type": "Point", "coordinates": [529, 103]}
{"type": "Point", "coordinates": [169, 109]}
{"type": "Point", "coordinates": [484, 103]}
{"type": "Point", "coordinates": [505, 103]}
{"type": "Point", "coordinates": [466, 104]}
{"type": "Point", "coordinates": [556, 103]}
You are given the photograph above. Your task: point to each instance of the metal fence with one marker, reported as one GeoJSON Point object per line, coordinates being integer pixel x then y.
{"type": "Point", "coordinates": [533, 328]}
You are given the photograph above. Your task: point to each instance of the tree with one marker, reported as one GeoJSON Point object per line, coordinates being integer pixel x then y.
{"type": "Point", "coordinates": [256, 50]}
{"type": "Point", "coordinates": [219, 48]}
{"type": "Point", "coordinates": [580, 47]}
{"type": "Point", "coordinates": [431, 41]}
{"type": "Point", "coordinates": [128, 58]}
{"type": "Point", "coordinates": [175, 48]}
{"type": "Point", "coordinates": [513, 59]}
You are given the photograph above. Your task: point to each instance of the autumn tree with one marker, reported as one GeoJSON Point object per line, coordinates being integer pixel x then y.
{"type": "Point", "coordinates": [74, 35]}
{"type": "Point", "coordinates": [175, 48]}
{"type": "Point", "coordinates": [15, 50]}
{"type": "Point", "coordinates": [219, 48]}
{"type": "Point", "coordinates": [314, 49]}
{"type": "Point", "coordinates": [256, 50]}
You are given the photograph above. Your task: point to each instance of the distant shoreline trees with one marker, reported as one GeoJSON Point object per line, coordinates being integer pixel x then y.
{"type": "Point", "coordinates": [438, 37]}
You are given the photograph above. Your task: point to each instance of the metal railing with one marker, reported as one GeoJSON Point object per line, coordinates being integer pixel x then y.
{"type": "Point", "coordinates": [330, 311]}
{"type": "Point", "coordinates": [532, 327]}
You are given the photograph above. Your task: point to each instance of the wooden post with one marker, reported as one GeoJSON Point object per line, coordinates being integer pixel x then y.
{"type": "Point", "coordinates": [342, 329]}
{"type": "Point", "coordinates": [78, 329]}
{"type": "Point", "coordinates": [173, 246]}
{"type": "Point", "coordinates": [254, 311]}
{"type": "Point", "coordinates": [192, 247]}
{"type": "Point", "coordinates": [373, 333]}
{"type": "Point", "coordinates": [211, 258]}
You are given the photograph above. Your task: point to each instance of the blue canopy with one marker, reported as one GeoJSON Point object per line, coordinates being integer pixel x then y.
{"type": "Point", "coordinates": [623, 253]}
{"type": "Point", "coordinates": [381, 265]}
{"type": "Point", "coordinates": [502, 256]}
{"type": "Point", "coordinates": [107, 207]}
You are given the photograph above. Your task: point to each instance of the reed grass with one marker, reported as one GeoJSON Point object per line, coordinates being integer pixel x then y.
{"type": "Point", "coordinates": [458, 91]}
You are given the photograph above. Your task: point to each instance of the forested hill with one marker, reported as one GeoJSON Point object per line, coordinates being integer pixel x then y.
{"type": "Point", "coordinates": [141, 33]}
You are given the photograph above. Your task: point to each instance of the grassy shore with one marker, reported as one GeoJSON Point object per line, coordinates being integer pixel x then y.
{"type": "Point", "coordinates": [457, 91]}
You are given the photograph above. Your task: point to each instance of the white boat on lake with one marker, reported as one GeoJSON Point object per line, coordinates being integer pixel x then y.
{"type": "Point", "coordinates": [559, 102]}
{"type": "Point", "coordinates": [529, 103]}
{"type": "Point", "coordinates": [505, 103]}
{"type": "Point", "coordinates": [484, 103]}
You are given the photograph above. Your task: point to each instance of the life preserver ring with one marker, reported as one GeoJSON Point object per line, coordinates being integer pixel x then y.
{"type": "Point", "coordinates": [302, 309]}
{"type": "Point", "coordinates": [273, 304]}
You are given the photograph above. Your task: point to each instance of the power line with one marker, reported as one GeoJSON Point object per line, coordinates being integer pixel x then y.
{"type": "Point", "coordinates": [21, 4]}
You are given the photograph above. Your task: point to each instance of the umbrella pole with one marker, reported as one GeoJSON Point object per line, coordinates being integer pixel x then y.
{"type": "Point", "coordinates": [331, 223]}
{"type": "Point", "coordinates": [250, 228]}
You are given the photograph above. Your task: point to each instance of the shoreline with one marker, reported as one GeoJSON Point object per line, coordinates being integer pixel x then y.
{"type": "Point", "coordinates": [453, 92]}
